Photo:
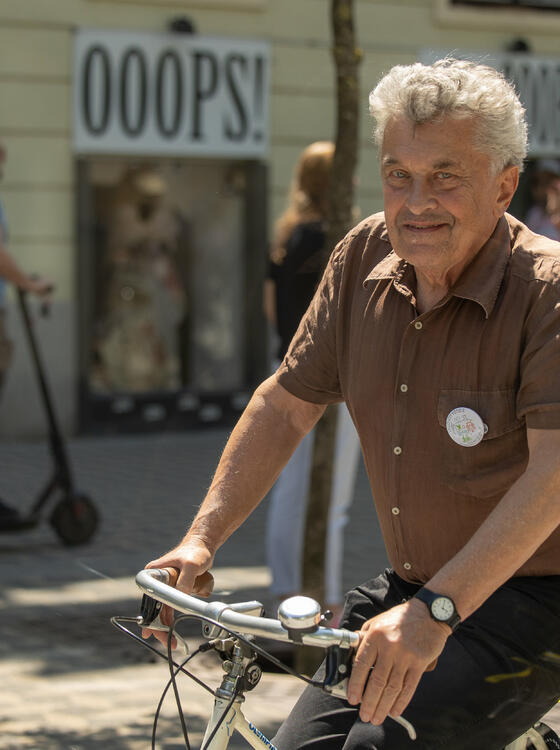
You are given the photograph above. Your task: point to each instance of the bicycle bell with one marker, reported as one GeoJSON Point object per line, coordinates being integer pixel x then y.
{"type": "Point", "coordinates": [300, 613]}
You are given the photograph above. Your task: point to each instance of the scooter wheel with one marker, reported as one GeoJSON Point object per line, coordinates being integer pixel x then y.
{"type": "Point", "coordinates": [75, 519]}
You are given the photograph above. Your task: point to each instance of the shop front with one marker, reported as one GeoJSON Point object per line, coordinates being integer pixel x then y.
{"type": "Point", "coordinates": [170, 140]}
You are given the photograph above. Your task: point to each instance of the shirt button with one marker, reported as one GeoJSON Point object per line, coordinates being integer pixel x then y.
{"type": "Point", "coordinates": [404, 387]}
{"type": "Point", "coordinates": [407, 566]}
{"type": "Point", "coordinates": [395, 511]}
{"type": "Point", "coordinates": [418, 325]}
{"type": "Point", "coordinates": [397, 450]}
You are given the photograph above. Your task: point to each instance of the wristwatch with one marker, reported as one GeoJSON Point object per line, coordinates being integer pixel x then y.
{"type": "Point", "coordinates": [441, 608]}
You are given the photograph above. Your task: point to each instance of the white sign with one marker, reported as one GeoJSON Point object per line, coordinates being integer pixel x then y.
{"type": "Point", "coordinates": [169, 94]}
{"type": "Point", "coordinates": [537, 80]}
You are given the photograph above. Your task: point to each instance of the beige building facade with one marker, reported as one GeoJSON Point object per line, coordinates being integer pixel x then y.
{"type": "Point", "coordinates": [77, 211]}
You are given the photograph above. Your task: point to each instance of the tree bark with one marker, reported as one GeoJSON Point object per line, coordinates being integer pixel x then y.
{"type": "Point", "coordinates": [341, 200]}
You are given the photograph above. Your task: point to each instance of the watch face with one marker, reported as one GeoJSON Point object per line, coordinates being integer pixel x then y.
{"type": "Point", "coordinates": [442, 608]}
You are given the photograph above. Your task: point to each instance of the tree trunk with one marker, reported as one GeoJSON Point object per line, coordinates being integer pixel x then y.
{"type": "Point", "coordinates": [346, 58]}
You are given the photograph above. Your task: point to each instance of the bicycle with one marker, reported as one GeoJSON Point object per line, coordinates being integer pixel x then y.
{"type": "Point", "coordinates": [230, 630]}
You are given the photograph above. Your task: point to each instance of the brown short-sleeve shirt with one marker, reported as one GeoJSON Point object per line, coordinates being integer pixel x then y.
{"type": "Point", "coordinates": [492, 345]}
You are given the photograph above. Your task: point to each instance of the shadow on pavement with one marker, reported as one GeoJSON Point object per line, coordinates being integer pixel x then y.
{"type": "Point", "coordinates": [131, 737]}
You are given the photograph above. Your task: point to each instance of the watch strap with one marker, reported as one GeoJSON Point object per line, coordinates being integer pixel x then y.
{"type": "Point", "coordinates": [427, 596]}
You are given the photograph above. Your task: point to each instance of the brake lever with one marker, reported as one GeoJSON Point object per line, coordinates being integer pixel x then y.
{"type": "Point", "coordinates": [340, 691]}
{"type": "Point", "coordinates": [338, 666]}
{"type": "Point", "coordinates": [149, 617]}
{"type": "Point", "coordinates": [149, 611]}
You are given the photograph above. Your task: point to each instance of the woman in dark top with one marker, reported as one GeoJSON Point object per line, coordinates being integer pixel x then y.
{"type": "Point", "coordinates": [296, 261]}
{"type": "Point", "coordinates": [296, 265]}
{"type": "Point", "coordinates": [295, 279]}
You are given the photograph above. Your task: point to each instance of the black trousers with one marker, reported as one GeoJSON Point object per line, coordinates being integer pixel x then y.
{"type": "Point", "coordinates": [498, 674]}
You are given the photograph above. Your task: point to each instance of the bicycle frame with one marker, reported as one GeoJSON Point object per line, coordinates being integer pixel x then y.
{"type": "Point", "coordinates": [234, 721]}
{"type": "Point", "coordinates": [521, 742]}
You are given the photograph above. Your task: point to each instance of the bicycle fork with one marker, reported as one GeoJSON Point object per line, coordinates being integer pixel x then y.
{"type": "Point", "coordinates": [239, 667]}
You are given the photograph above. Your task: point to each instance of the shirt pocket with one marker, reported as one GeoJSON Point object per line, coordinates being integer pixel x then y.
{"type": "Point", "coordinates": [491, 467]}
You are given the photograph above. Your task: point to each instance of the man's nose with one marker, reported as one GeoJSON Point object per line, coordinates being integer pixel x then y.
{"type": "Point", "coordinates": [420, 197]}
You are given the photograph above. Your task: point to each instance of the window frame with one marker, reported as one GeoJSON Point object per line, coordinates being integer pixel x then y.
{"type": "Point", "coordinates": [186, 5]}
{"type": "Point", "coordinates": [506, 18]}
{"type": "Point", "coordinates": [521, 4]}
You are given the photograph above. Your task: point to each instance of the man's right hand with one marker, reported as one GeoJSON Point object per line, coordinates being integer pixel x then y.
{"type": "Point", "coordinates": [193, 560]}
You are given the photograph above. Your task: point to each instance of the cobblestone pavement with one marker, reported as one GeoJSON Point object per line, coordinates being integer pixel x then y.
{"type": "Point", "coordinates": [69, 681]}
{"type": "Point", "coordinates": [72, 682]}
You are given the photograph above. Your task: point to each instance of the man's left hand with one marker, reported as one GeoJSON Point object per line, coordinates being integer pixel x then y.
{"type": "Point", "coordinates": [395, 649]}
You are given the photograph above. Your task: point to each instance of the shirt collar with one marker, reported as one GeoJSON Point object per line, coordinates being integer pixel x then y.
{"type": "Point", "coordinates": [482, 278]}
{"type": "Point", "coordinates": [391, 266]}
{"type": "Point", "coordinates": [479, 282]}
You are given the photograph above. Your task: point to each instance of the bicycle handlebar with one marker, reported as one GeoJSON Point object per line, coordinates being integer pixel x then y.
{"type": "Point", "coordinates": [244, 618]}
{"type": "Point", "coordinates": [235, 616]}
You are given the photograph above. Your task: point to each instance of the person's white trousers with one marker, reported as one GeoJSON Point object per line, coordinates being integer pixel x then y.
{"type": "Point", "coordinates": [287, 511]}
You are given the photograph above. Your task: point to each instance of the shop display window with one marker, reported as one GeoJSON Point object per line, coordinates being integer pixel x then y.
{"type": "Point", "coordinates": [167, 242]}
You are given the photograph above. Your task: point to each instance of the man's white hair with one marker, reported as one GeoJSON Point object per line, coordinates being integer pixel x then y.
{"type": "Point", "coordinates": [456, 89]}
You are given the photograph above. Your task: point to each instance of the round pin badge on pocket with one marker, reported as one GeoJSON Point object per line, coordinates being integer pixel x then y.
{"type": "Point", "coordinates": [465, 427]}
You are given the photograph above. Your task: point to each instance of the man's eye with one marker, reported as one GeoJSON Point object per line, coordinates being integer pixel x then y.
{"type": "Point", "coordinates": [444, 175]}
{"type": "Point", "coordinates": [399, 173]}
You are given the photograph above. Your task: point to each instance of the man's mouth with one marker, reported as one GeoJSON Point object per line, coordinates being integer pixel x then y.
{"type": "Point", "coordinates": [422, 227]}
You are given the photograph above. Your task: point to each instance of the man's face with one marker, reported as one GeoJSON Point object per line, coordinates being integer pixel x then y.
{"type": "Point", "coordinates": [442, 200]}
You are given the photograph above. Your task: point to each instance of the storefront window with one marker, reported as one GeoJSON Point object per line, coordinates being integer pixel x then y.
{"type": "Point", "coordinates": [168, 277]}
{"type": "Point", "coordinates": [168, 257]}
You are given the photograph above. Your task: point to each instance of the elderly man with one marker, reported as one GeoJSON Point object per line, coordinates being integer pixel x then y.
{"type": "Point", "coordinates": [438, 322]}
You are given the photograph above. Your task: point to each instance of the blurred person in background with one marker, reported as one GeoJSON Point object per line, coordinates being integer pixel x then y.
{"type": "Point", "coordinates": [544, 215]}
{"type": "Point", "coordinates": [296, 264]}
{"type": "Point", "coordinates": [11, 272]}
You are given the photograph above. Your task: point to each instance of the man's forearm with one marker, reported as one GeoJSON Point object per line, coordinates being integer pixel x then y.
{"type": "Point", "coordinates": [520, 523]}
{"type": "Point", "coordinates": [262, 442]}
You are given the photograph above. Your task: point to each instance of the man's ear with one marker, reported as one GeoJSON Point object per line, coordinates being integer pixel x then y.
{"type": "Point", "coordinates": [508, 180]}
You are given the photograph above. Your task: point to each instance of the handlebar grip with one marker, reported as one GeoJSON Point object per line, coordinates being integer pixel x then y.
{"type": "Point", "coordinates": [172, 576]}
{"type": "Point", "coordinates": [203, 584]}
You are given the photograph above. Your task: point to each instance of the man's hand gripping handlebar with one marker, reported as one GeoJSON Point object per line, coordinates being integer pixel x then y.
{"type": "Point", "coordinates": [157, 618]}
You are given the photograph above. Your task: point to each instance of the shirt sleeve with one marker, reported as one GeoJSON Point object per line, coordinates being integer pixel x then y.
{"type": "Point", "coordinates": [538, 397]}
{"type": "Point", "coordinates": [309, 369]}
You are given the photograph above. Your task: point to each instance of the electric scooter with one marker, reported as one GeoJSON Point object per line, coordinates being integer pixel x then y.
{"type": "Point", "coordinates": [73, 517]}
